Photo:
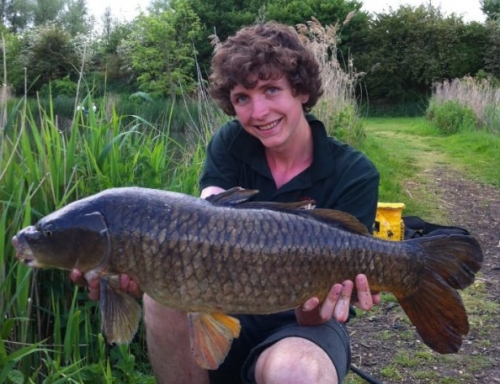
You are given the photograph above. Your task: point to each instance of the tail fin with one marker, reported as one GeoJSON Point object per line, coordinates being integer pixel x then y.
{"type": "Point", "coordinates": [435, 308]}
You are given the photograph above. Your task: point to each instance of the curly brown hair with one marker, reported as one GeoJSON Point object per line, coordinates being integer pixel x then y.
{"type": "Point", "coordinates": [263, 52]}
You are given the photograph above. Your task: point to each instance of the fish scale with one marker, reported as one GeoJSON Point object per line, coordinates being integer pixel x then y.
{"type": "Point", "coordinates": [231, 255]}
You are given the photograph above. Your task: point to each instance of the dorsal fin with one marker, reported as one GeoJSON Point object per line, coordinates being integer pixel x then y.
{"type": "Point", "coordinates": [237, 198]}
{"type": "Point", "coordinates": [339, 219]}
{"type": "Point", "coordinates": [232, 197]}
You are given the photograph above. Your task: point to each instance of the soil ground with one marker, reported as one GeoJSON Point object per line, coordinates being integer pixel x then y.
{"type": "Point", "coordinates": [385, 344]}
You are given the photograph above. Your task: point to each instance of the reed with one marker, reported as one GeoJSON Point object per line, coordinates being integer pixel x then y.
{"type": "Point", "coordinates": [480, 96]}
{"type": "Point", "coordinates": [337, 107]}
{"type": "Point", "coordinates": [51, 328]}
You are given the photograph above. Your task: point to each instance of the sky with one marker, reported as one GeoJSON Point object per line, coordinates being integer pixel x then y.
{"type": "Point", "coordinates": [469, 9]}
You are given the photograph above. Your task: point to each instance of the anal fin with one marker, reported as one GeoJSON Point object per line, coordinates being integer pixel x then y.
{"type": "Point", "coordinates": [211, 335]}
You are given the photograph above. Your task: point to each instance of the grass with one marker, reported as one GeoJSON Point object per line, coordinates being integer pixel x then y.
{"type": "Point", "coordinates": [403, 149]}
{"type": "Point", "coordinates": [49, 328]}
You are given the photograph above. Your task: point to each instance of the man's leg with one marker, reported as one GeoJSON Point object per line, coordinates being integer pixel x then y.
{"type": "Point", "coordinates": [295, 360]}
{"type": "Point", "coordinates": [169, 350]}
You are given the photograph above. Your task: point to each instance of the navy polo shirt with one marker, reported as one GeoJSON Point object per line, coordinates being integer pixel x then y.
{"type": "Point", "coordinates": [339, 177]}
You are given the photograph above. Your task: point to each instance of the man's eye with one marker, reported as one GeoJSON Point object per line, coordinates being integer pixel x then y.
{"type": "Point", "coordinates": [241, 99]}
{"type": "Point", "coordinates": [272, 90]}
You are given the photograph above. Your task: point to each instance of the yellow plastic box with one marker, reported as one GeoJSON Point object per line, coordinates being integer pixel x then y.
{"type": "Point", "coordinates": [389, 221]}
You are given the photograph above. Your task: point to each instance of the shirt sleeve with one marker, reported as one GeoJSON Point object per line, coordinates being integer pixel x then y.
{"type": "Point", "coordinates": [359, 196]}
{"type": "Point", "coordinates": [221, 168]}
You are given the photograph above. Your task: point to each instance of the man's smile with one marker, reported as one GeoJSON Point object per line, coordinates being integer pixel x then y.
{"type": "Point", "coordinates": [267, 127]}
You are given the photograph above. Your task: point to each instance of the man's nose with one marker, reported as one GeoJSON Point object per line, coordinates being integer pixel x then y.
{"type": "Point", "coordinates": [260, 108]}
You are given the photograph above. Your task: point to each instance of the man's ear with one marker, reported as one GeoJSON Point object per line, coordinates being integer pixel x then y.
{"type": "Point", "coordinates": [304, 98]}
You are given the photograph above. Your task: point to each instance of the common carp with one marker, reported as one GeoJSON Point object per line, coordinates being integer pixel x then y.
{"type": "Point", "coordinates": [229, 255]}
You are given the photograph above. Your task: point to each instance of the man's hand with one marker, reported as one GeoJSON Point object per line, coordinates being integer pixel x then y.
{"type": "Point", "coordinates": [126, 284]}
{"type": "Point", "coordinates": [337, 303]}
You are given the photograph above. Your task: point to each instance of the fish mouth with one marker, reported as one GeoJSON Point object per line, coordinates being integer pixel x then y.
{"type": "Point", "coordinates": [24, 253]}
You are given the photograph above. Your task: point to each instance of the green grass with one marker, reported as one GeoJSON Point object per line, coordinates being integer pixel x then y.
{"type": "Point", "coordinates": [403, 148]}
{"type": "Point", "coordinates": [49, 326]}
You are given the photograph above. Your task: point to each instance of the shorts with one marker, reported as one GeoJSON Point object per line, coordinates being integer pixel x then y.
{"type": "Point", "coordinates": [258, 332]}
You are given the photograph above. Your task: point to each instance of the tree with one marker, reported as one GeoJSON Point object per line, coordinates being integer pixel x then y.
{"type": "Point", "coordinates": [409, 49]}
{"type": "Point", "coordinates": [11, 50]}
{"type": "Point", "coordinates": [222, 18]}
{"type": "Point", "coordinates": [492, 54]}
{"type": "Point", "coordinates": [17, 14]}
{"type": "Point", "coordinates": [491, 8]}
{"type": "Point", "coordinates": [48, 53]}
{"type": "Point", "coordinates": [113, 55]}
{"type": "Point", "coordinates": [75, 17]}
{"type": "Point", "coordinates": [47, 11]}
{"type": "Point", "coordinates": [327, 12]}
{"type": "Point", "coordinates": [161, 49]}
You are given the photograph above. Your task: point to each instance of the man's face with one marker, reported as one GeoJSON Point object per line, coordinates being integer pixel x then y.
{"type": "Point", "coordinates": [270, 111]}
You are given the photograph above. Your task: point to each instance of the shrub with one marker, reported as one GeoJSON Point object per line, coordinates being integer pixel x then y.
{"type": "Point", "coordinates": [59, 87]}
{"type": "Point", "coordinates": [451, 116]}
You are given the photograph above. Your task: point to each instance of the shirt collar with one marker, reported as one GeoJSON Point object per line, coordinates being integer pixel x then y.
{"type": "Point", "coordinates": [250, 150]}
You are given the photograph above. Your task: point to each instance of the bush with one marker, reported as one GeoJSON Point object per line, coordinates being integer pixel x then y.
{"type": "Point", "coordinates": [492, 118]}
{"type": "Point", "coordinates": [451, 117]}
{"type": "Point", "coordinates": [59, 87]}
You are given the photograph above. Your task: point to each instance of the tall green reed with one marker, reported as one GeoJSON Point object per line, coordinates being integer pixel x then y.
{"type": "Point", "coordinates": [43, 168]}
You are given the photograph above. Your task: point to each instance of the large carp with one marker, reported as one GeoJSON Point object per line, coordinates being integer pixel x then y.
{"type": "Point", "coordinates": [230, 255]}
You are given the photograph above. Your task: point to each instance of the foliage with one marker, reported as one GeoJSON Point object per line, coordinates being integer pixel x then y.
{"type": "Point", "coordinates": [76, 19]}
{"type": "Point", "coordinates": [222, 18]}
{"type": "Point", "coordinates": [329, 12]}
{"type": "Point", "coordinates": [337, 107]}
{"type": "Point", "coordinates": [491, 55]}
{"type": "Point", "coordinates": [52, 327]}
{"type": "Point", "coordinates": [407, 50]}
{"type": "Point", "coordinates": [225, 18]}
{"type": "Point", "coordinates": [17, 14]}
{"type": "Point", "coordinates": [491, 8]}
{"type": "Point", "coordinates": [451, 117]}
{"type": "Point", "coordinates": [48, 53]}
{"type": "Point", "coordinates": [71, 15]}
{"type": "Point", "coordinates": [10, 51]}
{"type": "Point", "coordinates": [58, 87]}
{"type": "Point", "coordinates": [481, 96]}
{"type": "Point", "coordinates": [161, 49]}
{"type": "Point", "coordinates": [111, 57]}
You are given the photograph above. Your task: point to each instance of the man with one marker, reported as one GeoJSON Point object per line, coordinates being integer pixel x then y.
{"type": "Point", "coordinates": [269, 80]}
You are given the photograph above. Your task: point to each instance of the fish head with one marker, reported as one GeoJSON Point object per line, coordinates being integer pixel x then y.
{"type": "Point", "coordinates": [66, 239]}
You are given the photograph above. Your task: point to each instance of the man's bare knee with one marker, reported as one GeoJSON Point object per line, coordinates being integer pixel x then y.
{"type": "Point", "coordinates": [295, 360]}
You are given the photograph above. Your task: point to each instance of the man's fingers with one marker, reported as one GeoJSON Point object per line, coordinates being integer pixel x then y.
{"type": "Point", "coordinates": [341, 312]}
{"type": "Point", "coordinates": [130, 286]}
{"type": "Point", "coordinates": [365, 299]}
{"type": "Point", "coordinates": [310, 304]}
{"type": "Point", "coordinates": [76, 276]}
{"type": "Point", "coordinates": [328, 306]}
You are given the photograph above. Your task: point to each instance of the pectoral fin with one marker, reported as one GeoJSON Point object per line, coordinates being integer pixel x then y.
{"type": "Point", "coordinates": [211, 335]}
{"type": "Point", "coordinates": [120, 314]}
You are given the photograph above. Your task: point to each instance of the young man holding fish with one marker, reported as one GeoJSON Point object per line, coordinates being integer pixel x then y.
{"type": "Point", "coordinates": [269, 80]}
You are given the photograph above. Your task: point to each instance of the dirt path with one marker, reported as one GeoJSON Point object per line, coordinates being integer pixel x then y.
{"type": "Point", "coordinates": [384, 343]}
